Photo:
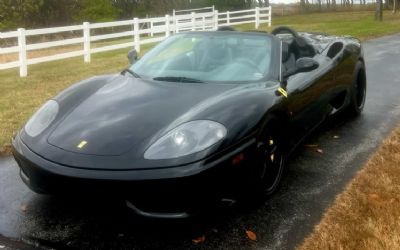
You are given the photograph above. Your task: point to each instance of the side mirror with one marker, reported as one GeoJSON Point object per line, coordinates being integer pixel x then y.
{"type": "Point", "coordinates": [306, 64]}
{"type": "Point", "coordinates": [132, 56]}
{"type": "Point", "coordinates": [303, 64]}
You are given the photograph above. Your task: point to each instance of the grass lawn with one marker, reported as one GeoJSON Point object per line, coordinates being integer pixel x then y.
{"type": "Point", "coordinates": [366, 215]}
{"type": "Point", "coordinates": [19, 97]}
{"type": "Point", "coordinates": [358, 24]}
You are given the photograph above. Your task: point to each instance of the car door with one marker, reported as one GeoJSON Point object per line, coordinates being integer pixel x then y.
{"type": "Point", "coordinates": [306, 103]}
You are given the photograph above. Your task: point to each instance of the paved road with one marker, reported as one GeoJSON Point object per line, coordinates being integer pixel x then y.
{"type": "Point", "coordinates": [281, 222]}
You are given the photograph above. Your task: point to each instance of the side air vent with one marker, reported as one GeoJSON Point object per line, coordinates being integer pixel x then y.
{"type": "Point", "coordinates": [334, 49]}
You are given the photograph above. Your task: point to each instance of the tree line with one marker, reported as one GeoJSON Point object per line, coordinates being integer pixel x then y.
{"type": "Point", "coordinates": [307, 6]}
{"type": "Point", "coordinates": [49, 13]}
{"type": "Point", "coordinates": [331, 4]}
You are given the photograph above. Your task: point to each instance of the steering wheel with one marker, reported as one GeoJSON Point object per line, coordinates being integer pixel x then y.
{"type": "Point", "coordinates": [285, 30]}
{"type": "Point", "coordinates": [301, 42]}
{"type": "Point", "coordinates": [249, 63]}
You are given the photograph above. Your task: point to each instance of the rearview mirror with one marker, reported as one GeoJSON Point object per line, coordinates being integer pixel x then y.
{"type": "Point", "coordinates": [132, 56]}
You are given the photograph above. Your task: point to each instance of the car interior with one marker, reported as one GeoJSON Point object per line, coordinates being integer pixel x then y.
{"type": "Point", "coordinates": [215, 58]}
{"type": "Point", "coordinates": [294, 48]}
{"type": "Point", "coordinates": [208, 57]}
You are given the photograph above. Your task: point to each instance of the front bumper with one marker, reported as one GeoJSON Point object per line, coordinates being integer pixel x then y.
{"type": "Point", "coordinates": [162, 191]}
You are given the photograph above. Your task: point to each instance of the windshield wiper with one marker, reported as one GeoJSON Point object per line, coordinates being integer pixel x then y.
{"type": "Point", "coordinates": [130, 72]}
{"type": "Point", "coordinates": [177, 79]}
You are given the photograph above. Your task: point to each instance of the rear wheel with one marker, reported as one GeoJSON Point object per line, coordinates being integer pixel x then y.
{"type": "Point", "coordinates": [270, 163]}
{"type": "Point", "coordinates": [359, 90]}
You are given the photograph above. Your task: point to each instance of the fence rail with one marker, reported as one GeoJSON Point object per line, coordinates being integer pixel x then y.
{"type": "Point", "coordinates": [142, 31]}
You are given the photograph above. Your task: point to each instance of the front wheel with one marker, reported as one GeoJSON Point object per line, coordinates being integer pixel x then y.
{"type": "Point", "coordinates": [270, 163]}
{"type": "Point", "coordinates": [358, 90]}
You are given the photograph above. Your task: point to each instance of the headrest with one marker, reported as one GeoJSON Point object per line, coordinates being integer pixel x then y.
{"type": "Point", "coordinates": [305, 49]}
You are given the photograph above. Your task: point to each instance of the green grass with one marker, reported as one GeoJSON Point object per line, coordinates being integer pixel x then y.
{"type": "Point", "coordinates": [19, 97]}
{"type": "Point", "coordinates": [359, 24]}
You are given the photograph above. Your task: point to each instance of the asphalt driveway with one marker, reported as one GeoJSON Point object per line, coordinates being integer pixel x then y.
{"type": "Point", "coordinates": [281, 222]}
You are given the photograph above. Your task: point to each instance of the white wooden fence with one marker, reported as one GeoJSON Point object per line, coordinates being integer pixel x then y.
{"type": "Point", "coordinates": [142, 31]}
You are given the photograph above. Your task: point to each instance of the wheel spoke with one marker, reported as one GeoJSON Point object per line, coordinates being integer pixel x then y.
{"type": "Point", "coordinates": [270, 168]}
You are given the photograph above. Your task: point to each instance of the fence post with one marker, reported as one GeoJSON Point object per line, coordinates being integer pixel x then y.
{"type": "Point", "coordinates": [86, 42]}
{"type": "Point", "coordinates": [204, 23]}
{"type": "Point", "coordinates": [257, 17]}
{"type": "Point", "coordinates": [23, 66]}
{"type": "Point", "coordinates": [270, 16]}
{"type": "Point", "coordinates": [151, 28]}
{"type": "Point", "coordinates": [136, 34]}
{"type": "Point", "coordinates": [193, 21]}
{"type": "Point", "coordinates": [175, 22]}
{"type": "Point", "coordinates": [216, 20]}
{"type": "Point", "coordinates": [167, 26]}
{"type": "Point", "coordinates": [228, 16]}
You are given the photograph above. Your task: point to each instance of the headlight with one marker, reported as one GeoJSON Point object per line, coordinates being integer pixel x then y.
{"type": "Point", "coordinates": [187, 138]}
{"type": "Point", "coordinates": [42, 118]}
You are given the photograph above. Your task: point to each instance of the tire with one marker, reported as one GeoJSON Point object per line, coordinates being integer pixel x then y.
{"type": "Point", "coordinates": [270, 163]}
{"type": "Point", "coordinates": [358, 90]}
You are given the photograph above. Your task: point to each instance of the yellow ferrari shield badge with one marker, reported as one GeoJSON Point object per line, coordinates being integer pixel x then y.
{"type": "Point", "coordinates": [283, 92]}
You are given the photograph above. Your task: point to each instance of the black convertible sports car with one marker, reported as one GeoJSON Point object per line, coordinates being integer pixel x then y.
{"type": "Point", "coordinates": [200, 117]}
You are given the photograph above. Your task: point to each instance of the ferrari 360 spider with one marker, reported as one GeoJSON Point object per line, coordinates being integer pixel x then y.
{"type": "Point", "coordinates": [197, 119]}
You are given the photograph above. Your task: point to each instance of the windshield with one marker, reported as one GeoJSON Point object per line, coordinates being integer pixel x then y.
{"type": "Point", "coordinates": [208, 57]}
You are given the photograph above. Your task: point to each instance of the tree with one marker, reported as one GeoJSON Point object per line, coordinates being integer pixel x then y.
{"type": "Point", "coordinates": [50, 13]}
{"type": "Point", "coordinates": [333, 4]}
{"type": "Point", "coordinates": [19, 13]}
{"type": "Point", "coordinates": [229, 4]}
{"type": "Point", "coordinates": [96, 11]}
{"type": "Point", "coordinates": [319, 5]}
{"type": "Point", "coordinates": [57, 12]}
{"type": "Point", "coordinates": [379, 10]}
{"type": "Point", "coordinates": [304, 4]}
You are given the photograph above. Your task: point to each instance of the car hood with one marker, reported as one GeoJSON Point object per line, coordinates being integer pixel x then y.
{"type": "Point", "coordinates": [128, 114]}
{"type": "Point", "coordinates": [108, 122]}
